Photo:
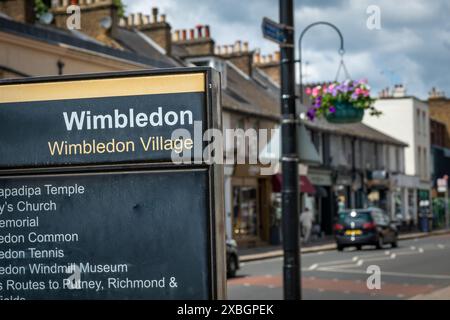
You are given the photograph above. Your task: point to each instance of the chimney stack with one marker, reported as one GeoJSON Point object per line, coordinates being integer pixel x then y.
{"type": "Point", "coordinates": [245, 47]}
{"type": "Point", "coordinates": [270, 65]}
{"type": "Point", "coordinates": [237, 47]}
{"type": "Point", "coordinates": [158, 30]}
{"type": "Point", "coordinates": [92, 15]}
{"type": "Point", "coordinates": [199, 42]}
{"type": "Point", "coordinates": [19, 10]}
{"type": "Point", "coordinates": [399, 91]}
{"type": "Point", "coordinates": [154, 15]}
{"type": "Point", "coordinates": [436, 94]}
{"type": "Point", "coordinates": [139, 19]}
{"type": "Point", "coordinates": [239, 54]}
{"type": "Point", "coordinates": [199, 31]}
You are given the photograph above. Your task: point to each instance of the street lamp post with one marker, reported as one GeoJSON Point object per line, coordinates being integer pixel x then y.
{"type": "Point", "coordinates": [289, 158]}
{"type": "Point", "coordinates": [341, 49]}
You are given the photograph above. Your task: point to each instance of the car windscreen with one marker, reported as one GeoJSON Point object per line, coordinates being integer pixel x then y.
{"type": "Point", "coordinates": [356, 217]}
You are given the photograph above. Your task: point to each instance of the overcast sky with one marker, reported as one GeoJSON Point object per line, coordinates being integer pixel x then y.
{"type": "Point", "coordinates": [411, 47]}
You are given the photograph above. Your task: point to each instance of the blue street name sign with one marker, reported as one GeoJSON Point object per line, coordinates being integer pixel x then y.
{"type": "Point", "coordinates": [273, 31]}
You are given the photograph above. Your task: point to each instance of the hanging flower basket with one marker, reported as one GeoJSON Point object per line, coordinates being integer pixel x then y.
{"type": "Point", "coordinates": [345, 113]}
{"type": "Point", "coordinates": [344, 102]}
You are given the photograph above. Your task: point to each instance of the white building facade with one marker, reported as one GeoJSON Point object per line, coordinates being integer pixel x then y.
{"type": "Point", "coordinates": [407, 118]}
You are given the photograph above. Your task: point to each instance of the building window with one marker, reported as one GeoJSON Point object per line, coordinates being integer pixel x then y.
{"type": "Point", "coordinates": [419, 161]}
{"type": "Point", "coordinates": [424, 122]}
{"type": "Point", "coordinates": [317, 141]}
{"type": "Point", "coordinates": [418, 122]}
{"type": "Point", "coordinates": [397, 160]}
{"type": "Point", "coordinates": [326, 149]}
{"type": "Point", "coordinates": [425, 164]}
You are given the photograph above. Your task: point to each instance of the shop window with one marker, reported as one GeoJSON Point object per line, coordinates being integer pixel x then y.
{"type": "Point", "coordinates": [245, 213]}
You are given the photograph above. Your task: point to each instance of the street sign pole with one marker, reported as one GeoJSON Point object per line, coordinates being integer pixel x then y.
{"type": "Point", "coordinates": [289, 158]}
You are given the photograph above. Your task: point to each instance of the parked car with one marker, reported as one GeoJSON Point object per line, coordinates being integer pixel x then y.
{"type": "Point", "coordinates": [232, 259]}
{"type": "Point", "coordinates": [358, 227]}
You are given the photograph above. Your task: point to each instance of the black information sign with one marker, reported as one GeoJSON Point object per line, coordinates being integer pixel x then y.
{"type": "Point", "coordinates": [91, 205]}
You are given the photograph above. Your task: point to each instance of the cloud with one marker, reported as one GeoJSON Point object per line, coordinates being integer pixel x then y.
{"type": "Point", "coordinates": [412, 46]}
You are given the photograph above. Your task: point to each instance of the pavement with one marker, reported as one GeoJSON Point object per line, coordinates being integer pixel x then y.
{"type": "Point", "coordinates": [260, 253]}
{"type": "Point", "coordinates": [442, 294]}
{"type": "Point", "coordinates": [418, 269]}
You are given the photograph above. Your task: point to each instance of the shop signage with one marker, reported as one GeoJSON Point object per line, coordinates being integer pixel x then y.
{"type": "Point", "coordinates": [442, 185]}
{"type": "Point", "coordinates": [91, 205]}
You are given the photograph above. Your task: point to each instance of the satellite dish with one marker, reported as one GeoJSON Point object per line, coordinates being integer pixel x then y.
{"type": "Point", "coordinates": [106, 22]}
{"type": "Point", "coordinates": [46, 18]}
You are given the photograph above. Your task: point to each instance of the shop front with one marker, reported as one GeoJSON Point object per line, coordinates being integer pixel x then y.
{"type": "Point", "coordinates": [324, 200]}
{"type": "Point", "coordinates": [251, 204]}
{"type": "Point", "coordinates": [307, 193]}
{"type": "Point", "coordinates": [425, 216]}
{"type": "Point", "coordinates": [343, 191]}
{"type": "Point", "coordinates": [379, 190]}
{"type": "Point", "coordinates": [404, 199]}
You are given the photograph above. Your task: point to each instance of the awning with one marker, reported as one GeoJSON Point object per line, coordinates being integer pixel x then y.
{"type": "Point", "coordinates": [304, 184]}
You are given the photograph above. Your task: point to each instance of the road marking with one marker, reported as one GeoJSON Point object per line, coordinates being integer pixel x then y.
{"type": "Point", "coordinates": [413, 248]}
{"type": "Point", "coordinates": [246, 284]}
{"type": "Point", "coordinates": [421, 250]}
{"type": "Point", "coordinates": [400, 295]}
{"type": "Point", "coordinates": [440, 246]}
{"type": "Point", "coordinates": [387, 273]}
{"type": "Point", "coordinates": [319, 253]}
{"type": "Point", "coordinates": [313, 267]}
{"type": "Point", "coordinates": [262, 261]}
{"type": "Point", "coordinates": [360, 263]}
{"type": "Point", "coordinates": [387, 252]}
{"type": "Point", "coordinates": [393, 256]}
{"type": "Point", "coordinates": [320, 290]}
{"type": "Point", "coordinates": [271, 286]}
{"type": "Point", "coordinates": [268, 276]}
{"type": "Point", "coordinates": [355, 258]}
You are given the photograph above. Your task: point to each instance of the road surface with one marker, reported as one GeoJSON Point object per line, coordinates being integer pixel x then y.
{"type": "Point", "coordinates": [416, 268]}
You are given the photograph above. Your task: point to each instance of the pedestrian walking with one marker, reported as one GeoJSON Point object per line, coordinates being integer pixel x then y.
{"type": "Point", "coordinates": [306, 221]}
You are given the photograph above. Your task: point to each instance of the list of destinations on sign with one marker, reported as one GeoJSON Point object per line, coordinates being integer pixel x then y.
{"type": "Point", "coordinates": [143, 232]}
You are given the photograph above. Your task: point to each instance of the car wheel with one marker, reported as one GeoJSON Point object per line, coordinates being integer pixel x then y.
{"type": "Point", "coordinates": [232, 267]}
{"type": "Point", "coordinates": [394, 244]}
{"type": "Point", "coordinates": [340, 248]}
{"type": "Point", "coordinates": [380, 242]}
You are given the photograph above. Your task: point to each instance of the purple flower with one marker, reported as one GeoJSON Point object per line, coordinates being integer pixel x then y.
{"type": "Point", "coordinates": [311, 114]}
{"type": "Point", "coordinates": [332, 109]}
{"type": "Point", "coordinates": [317, 103]}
